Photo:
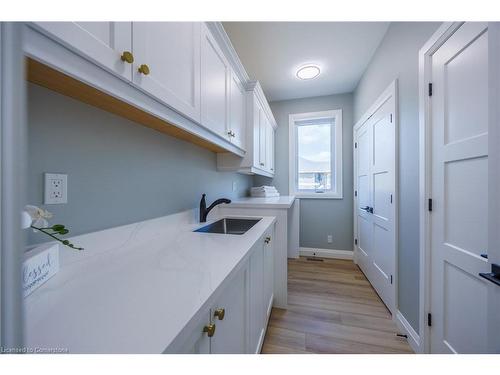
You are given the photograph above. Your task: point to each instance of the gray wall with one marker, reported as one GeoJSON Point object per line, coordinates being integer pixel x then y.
{"type": "Point", "coordinates": [118, 172]}
{"type": "Point", "coordinates": [397, 57]}
{"type": "Point", "coordinates": [318, 217]}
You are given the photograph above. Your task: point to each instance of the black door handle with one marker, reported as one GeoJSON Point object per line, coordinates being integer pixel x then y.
{"type": "Point", "coordinates": [494, 275]}
{"type": "Point", "coordinates": [367, 209]}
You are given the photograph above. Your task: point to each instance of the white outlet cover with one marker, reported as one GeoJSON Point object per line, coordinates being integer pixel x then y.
{"type": "Point", "coordinates": [56, 188]}
{"type": "Point", "coordinates": [235, 186]}
{"type": "Point", "coordinates": [330, 238]}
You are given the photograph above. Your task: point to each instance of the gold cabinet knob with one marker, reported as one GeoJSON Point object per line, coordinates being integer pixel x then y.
{"type": "Point", "coordinates": [144, 69]}
{"type": "Point", "coordinates": [127, 57]}
{"type": "Point", "coordinates": [220, 313]}
{"type": "Point", "coordinates": [209, 329]}
{"type": "Point", "coordinates": [268, 239]}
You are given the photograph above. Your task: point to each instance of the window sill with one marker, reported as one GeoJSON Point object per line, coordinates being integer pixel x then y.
{"type": "Point", "coordinates": [317, 196]}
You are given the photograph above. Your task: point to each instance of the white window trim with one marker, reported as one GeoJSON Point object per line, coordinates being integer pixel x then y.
{"type": "Point", "coordinates": [292, 157]}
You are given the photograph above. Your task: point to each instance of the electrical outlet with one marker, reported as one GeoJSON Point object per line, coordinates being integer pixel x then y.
{"type": "Point", "coordinates": [329, 238]}
{"type": "Point", "coordinates": [235, 186]}
{"type": "Point", "coordinates": [56, 188]}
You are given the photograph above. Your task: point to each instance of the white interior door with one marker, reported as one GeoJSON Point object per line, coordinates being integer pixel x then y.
{"type": "Point", "coordinates": [382, 212]}
{"type": "Point", "coordinates": [375, 201]}
{"type": "Point", "coordinates": [364, 219]}
{"type": "Point", "coordinates": [459, 217]}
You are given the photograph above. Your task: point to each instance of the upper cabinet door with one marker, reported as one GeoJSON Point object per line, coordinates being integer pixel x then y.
{"type": "Point", "coordinates": [263, 125]}
{"type": "Point", "coordinates": [101, 42]}
{"type": "Point", "coordinates": [238, 112]}
{"type": "Point", "coordinates": [215, 76]}
{"type": "Point", "coordinates": [169, 54]}
{"type": "Point", "coordinates": [270, 148]}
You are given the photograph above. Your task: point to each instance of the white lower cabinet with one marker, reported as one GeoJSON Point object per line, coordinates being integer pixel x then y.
{"type": "Point", "coordinates": [236, 321]}
{"type": "Point", "coordinates": [228, 317]}
{"type": "Point", "coordinates": [256, 308]}
{"type": "Point", "coordinates": [268, 272]}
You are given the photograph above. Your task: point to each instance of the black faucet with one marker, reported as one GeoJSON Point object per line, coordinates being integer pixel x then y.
{"type": "Point", "coordinates": [204, 210]}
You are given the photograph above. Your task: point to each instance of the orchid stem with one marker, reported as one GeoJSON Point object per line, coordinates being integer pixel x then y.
{"type": "Point", "coordinates": [67, 243]}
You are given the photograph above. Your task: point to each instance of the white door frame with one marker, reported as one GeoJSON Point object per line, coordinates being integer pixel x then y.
{"type": "Point", "coordinates": [425, 55]}
{"type": "Point", "coordinates": [390, 91]}
{"type": "Point", "coordinates": [12, 181]}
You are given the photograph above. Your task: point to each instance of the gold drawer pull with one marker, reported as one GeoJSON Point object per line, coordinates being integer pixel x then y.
{"type": "Point", "coordinates": [144, 69]}
{"type": "Point", "coordinates": [220, 313]}
{"type": "Point", "coordinates": [209, 329]}
{"type": "Point", "coordinates": [127, 57]}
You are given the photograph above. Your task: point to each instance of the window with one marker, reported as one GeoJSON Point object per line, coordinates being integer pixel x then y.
{"type": "Point", "coordinates": [316, 154]}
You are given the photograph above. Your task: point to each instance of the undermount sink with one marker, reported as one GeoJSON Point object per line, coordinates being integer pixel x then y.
{"type": "Point", "coordinates": [229, 226]}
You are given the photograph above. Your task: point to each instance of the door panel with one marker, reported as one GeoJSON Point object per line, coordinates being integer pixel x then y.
{"type": "Point", "coordinates": [262, 138]}
{"type": "Point", "coordinates": [459, 226]}
{"type": "Point", "coordinates": [470, 337]}
{"type": "Point", "coordinates": [238, 112]}
{"type": "Point", "coordinates": [101, 42]}
{"type": "Point", "coordinates": [268, 273]}
{"type": "Point", "coordinates": [215, 85]}
{"type": "Point", "coordinates": [364, 234]}
{"type": "Point", "coordinates": [230, 332]}
{"type": "Point", "coordinates": [256, 310]}
{"type": "Point", "coordinates": [375, 184]}
{"type": "Point", "coordinates": [172, 52]}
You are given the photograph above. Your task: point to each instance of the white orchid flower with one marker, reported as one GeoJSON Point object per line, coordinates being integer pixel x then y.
{"type": "Point", "coordinates": [37, 215]}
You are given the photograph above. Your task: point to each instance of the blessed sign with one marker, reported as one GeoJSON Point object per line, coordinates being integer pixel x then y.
{"type": "Point", "coordinates": [41, 264]}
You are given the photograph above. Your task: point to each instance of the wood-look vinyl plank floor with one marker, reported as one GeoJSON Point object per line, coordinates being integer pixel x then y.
{"type": "Point", "coordinates": [332, 308]}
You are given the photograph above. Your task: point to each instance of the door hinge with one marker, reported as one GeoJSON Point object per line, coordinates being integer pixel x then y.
{"type": "Point", "coordinates": [391, 198]}
{"type": "Point", "coordinates": [355, 241]}
{"type": "Point", "coordinates": [355, 193]}
{"type": "Point", "coordinates": [430, 204]}
{"type": "Point", "coordinates": [391, 118]}
{"type": "Point", "coordinates": [391, 279]}
{"type": "Point", "coordinates": [429, 319]}
{"type": "Point", "coordinates": [355, 144]}
{"type": "Point", "coordinates": [430, 89]}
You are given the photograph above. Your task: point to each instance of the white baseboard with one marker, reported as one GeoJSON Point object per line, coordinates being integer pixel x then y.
{"type": "Point", "coordinates": [325, 253]}
{"type": "Point", "coordinates": [407, 329]}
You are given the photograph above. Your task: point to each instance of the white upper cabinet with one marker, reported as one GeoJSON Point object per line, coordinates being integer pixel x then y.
{"type": "Point", "coordinates": [170, 51]}
{"type": "Point", "coordinates": [237, 117]}
{"type": "Point", "coordinates": [104, 43]}
{"type": "Point", "coordinates": [189, 68]}
{"type": "Point", "coordinates": [270, 148]}
{"type": "Point", "coordinates": [215, 76]}
{"type": "Point", "coordinates": [259, 141]}
{"type": "Point", "coordinates": [262, 138]}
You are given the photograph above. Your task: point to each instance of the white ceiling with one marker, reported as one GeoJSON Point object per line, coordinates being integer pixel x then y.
{"type": "Point", "coordinates": [272, 51]}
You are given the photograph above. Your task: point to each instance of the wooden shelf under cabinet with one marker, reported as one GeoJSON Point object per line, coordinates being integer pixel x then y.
{"type": "Point", "coordinates": [54, 80]}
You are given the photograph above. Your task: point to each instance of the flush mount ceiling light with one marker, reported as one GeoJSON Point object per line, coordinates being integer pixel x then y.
{"type": "Point", "coordinates": [308, 72]}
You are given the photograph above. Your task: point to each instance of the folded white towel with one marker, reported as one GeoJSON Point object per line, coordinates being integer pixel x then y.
{"type": "Point", "coordinates": [265, 188]}
{"type": "Point", "coordinates": [264, 194]}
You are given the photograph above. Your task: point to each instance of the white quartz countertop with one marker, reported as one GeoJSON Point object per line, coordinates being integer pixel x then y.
{"type": "Point", "coordinates": [134, 288]}
{"type": "Point", "coordinates": [284, 201]}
